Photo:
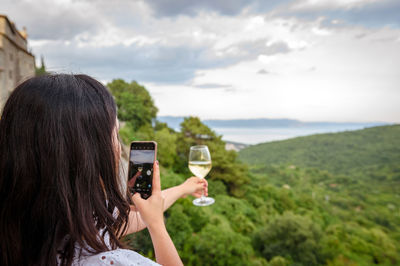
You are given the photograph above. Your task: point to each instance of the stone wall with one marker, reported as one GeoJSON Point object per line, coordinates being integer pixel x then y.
{"type": "Point", "coordinates": [16, 63]}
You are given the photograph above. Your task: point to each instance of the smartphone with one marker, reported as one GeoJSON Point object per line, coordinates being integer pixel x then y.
{"type": "Point", "coordinates": [140, 173]}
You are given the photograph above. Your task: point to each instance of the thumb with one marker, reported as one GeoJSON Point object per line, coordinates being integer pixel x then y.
{"type": "Point", "coordinates": [156, 177]}
{"type": "Point", "coordinates": [137, 199]}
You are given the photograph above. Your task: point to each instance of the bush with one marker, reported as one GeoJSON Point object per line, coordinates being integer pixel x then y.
{"type": "Point", "coordinates": [290, 236]}
{"type": "Point", "coordinates": [217, 245]}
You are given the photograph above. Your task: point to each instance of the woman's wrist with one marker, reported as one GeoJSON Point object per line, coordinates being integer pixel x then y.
{"type": "Point", "coordinates": [183, 190]}
{"type": "Point", "coordinates": [156, 227]}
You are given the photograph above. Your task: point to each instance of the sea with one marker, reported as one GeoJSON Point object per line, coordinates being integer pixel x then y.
{"type": "Point", "coordinates": [254, 131]}
{"type": "Point", "coordinates": [257, 135]}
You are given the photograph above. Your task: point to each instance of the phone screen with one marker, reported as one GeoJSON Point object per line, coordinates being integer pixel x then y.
{"type": "Point", "coordinates": [141, 160]}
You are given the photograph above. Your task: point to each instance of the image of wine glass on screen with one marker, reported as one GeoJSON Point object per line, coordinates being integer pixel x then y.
{"type": "Point", "coordinates": [135, 174]}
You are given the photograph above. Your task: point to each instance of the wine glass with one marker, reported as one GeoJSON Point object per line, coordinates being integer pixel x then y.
{"type": "Point", "coordinates": [200, 165]}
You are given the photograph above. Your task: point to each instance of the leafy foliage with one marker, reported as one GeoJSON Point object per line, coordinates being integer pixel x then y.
{"type": "Point", "coordinates": [39, 71]}
{"type": "Point", "coordinates": [167, 151]}
{"type": "Point", "coordinates": [291, 236]}
{"type": "Point", "coordinates": [329, 199]}
{"type": "Point", "coordinates": [135, 105]}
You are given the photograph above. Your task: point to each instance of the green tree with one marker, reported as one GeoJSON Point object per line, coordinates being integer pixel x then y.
{"type": "Point", "coordinates": [166, 152]}
{"type": "Point", "coordinates": [42, 69]}
{"type": "Point", "coordinates": [290, 236]}
{"type": "Point", "coordinates": [217, 245]}
{"type": "Point", "coordinates": [238, 212]}
{"type": "Point", "coordinates": [278, 261]}
{"type": "Point", "coordinates": [135, 105]}
{"type": "Point", "coordinates": [366, 246]}
{"type": "Point", "coordinates": [226, 167]}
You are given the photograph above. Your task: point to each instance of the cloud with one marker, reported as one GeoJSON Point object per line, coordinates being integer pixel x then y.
{"type": "Point", "coordinates": [369, 13]}
{"type": "Point", "coordinates": [193, 7]}
{"type": "Point", "coordinates": [69, 18]}
{"type": "Point", "coordinates": [123, 39]}
{"type": "Point", "coordinates": [49, 20]}
{"type": "Point", "coordinates": [154, 62]}
{"type": "Point", "coordinates": [252, 49]}
{"type": "Point", "coordinates": [263, 72]}
{"type": "Point", "coordinates": [212, 86]}
{"type": "Point", "coordinates": [190, 7]}
{"type": "Point", "coordinates": [333, 52]}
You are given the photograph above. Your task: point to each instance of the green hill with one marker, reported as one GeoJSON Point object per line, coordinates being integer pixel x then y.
{"type": "Point", "coordinates": [339, 153]}
{"type": "Point", "coordinates": [348, 183]}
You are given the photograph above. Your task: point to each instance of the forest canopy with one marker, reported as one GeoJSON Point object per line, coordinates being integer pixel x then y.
{"type": "Point", "coordinates": [329, 199]}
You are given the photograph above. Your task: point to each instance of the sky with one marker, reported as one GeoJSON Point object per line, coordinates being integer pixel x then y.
{"type": "Point", "coordinates": [312, 60]}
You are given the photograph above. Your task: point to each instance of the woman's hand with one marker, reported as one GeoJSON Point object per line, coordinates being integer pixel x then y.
{"type": "Point", "coordinates": [194, 186]}
{"type": "Point", "coordinates": [152, 209]}
{"type": "Point", "coordinates": [151, 212]}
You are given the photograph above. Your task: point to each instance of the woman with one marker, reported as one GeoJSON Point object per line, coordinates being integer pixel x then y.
{"type": "Point", "coordinates": [61, 197]}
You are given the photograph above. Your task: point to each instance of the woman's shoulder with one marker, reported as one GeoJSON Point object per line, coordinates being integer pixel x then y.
{"type": "Point", "coordinates": [116, 257]}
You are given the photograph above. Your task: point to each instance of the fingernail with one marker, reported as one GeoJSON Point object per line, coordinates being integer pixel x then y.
{"type": "Point", "coordinates": [157, 162]}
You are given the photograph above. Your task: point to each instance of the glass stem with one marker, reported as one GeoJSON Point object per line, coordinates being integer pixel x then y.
{"type": "Point", "coordinates": [203, 198]}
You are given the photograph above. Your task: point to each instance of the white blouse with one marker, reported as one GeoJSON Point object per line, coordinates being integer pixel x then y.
{"type": "Point", "coordinates": [115, 257]}
{"type": "Point", "coordinates": [118, 256]}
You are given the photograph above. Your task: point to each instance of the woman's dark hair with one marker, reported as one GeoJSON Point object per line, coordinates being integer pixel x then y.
{"type": "Point", "coordinates": [58, 171]}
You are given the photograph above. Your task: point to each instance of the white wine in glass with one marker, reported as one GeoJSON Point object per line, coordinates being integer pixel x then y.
{"type": "Point", "coordinates": [200, 165]}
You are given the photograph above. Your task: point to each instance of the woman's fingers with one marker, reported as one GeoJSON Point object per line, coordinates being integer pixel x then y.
{"type": "Point", "coordinates": [198, 194]}
{"type": "Point", "coordinates": [199, 186]}
{"type": "Point", "coordinates": [196, 186]}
